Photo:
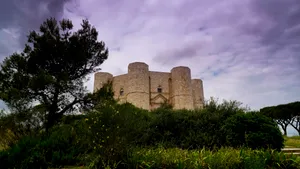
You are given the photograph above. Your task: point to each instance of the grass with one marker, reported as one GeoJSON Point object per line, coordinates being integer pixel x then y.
{"type": "Point", "coordinates": [292, 142]}
{"type": "Point", "coordinates": [223, 159]}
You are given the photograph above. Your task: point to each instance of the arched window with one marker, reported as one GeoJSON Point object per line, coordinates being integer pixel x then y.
{"type": "Point", "coordinates": [159, 89]}
{"type": "Point", "coordinates": [121, 92]}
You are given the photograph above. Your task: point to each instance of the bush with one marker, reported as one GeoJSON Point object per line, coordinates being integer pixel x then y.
{"type": "Point", "coordinates": [192, 129]}
{"type": "Point", "coordinates": [61, 147]}
{"type": "Point", "coordinates": [252, 130]}
{"type": "Point", "coordinates": [112, 130]}
{"type": "Point", "coordinates": [17, 125]}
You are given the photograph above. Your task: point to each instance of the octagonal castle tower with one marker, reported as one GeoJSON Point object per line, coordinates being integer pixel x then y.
{"type": "Point", "coordinates": [149, 89]}
{"type": "Point", "coordinates": [100, 79]}
{"type": "Point", "coordinates": [138, 85]}
{"type": "Point", "coordinates": [181, 93]}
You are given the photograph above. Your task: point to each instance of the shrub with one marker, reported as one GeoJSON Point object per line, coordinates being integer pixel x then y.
{"type": "Point", "coordinates": [17, 125]}
{"type": "Point", "coordinates": [192, 129]}
{"type": "Point", "coordinates": [61, 147]}
{"type": "Point", "coordinates": [253, 130]}
{"type": "Point", "coordinates": [112, 130]}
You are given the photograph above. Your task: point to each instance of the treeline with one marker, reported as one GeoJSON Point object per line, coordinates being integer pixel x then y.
{"type": "Point", "coordinates": [114, 134]}
{"type": "Point", "coordinates": [284, 115]}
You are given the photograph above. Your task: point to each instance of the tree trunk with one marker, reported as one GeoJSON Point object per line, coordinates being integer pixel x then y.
{"type": "Point", "coordinates": [50, 120]}
{"type": "Point", "coordinates": [284, 130]}
{"type": "Point", "coordinates": [296, 124]}
{"type": "Point", "coordinates": [283, 127]}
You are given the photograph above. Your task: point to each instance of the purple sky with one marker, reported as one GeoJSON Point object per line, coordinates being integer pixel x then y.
{"type": "Point", "coordinates": [243, 50]}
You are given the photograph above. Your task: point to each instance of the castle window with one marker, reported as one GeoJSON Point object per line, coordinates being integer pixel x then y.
{"type": "Point", "coordinates": [159, 89]}
{"type": "Point", "coordinates": [121, 92]}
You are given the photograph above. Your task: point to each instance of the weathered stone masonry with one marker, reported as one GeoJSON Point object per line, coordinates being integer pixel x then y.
{"type": "Point", "coordinates": [148, 89]}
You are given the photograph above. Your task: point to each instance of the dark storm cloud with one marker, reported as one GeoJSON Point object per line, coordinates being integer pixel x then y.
{"type": "Point", "coordinates": [176, 54]}
{"type": "Point", "coordinates": [282, 22]}
{"type": "Point", "coordinates": [246, 50]}
{"type": "Point", "coordinates": [26, 15]}
{"type": "Point", "coordinates": [247, 25]}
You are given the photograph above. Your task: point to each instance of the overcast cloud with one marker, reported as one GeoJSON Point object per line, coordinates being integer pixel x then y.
{"type": "Point", "coordinates": [243, 50]}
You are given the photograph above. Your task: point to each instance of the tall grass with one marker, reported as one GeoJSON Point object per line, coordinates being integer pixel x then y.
{"type": "Point", "coordinates": [224, 158]}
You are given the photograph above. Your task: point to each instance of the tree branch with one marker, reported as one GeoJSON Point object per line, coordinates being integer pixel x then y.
{"type": "Point", "coordinates": [70, 106]}
{"type": "Point", "coordinates": [296, 119]}
{"type": "Point", "coordinates": [44, 97]}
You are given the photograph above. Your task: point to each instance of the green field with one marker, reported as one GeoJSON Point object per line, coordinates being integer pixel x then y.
{"type": "Point", "coordinates": [293, 141]}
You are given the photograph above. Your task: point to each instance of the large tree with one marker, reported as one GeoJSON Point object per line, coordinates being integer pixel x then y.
{"type": "Point", "coordinates": [52, 69]}
{"type": "Point", "coordinates": [284, 115]}
{"type": "Point", "coordinates": [281, 117]}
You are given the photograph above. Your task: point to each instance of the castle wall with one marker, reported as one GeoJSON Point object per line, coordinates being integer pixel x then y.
{"type": "Point", "coordinates": [100, 78]}
{"type": "Point", "coordinates": [120, 82]}
{"type": "Point", "coordinates": [138, 85]}
{"type": "Point", "coordinates": [159, 79]}
{"type": "Point", "coordinates": [181, 94]}
{"type": "Point", "coordinates": [198, 95]}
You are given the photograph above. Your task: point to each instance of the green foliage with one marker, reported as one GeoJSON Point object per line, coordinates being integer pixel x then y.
{"type": "Point", "coordinates": [225, 158]}
{"type": "Point", "coordinates": [63, 146]}
{"type": "Point", "coordinates": [108, 134]}
{"type": "Point", "coordinates": [252, 130]}
{"type": "Point", "coordinates": [100, 98]}
{"type": "Point", "coordinates": [165, 105]}
{"type": "Point", "coordinates": [52, 69]}
{"type": "Point", "coordinates": [112, 130]}
{"type": "Point", "coordinates": [14, 126]}
{"type": "Point", "coordinates": [192, 129]}
{"type": "Point", "coordinates": [228, 108]}
{"type": "Point", "coordinates": [284, 115]}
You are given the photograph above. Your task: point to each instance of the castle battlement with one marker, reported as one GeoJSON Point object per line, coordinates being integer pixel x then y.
{"type": "Point", "coordinates": [149, 89]}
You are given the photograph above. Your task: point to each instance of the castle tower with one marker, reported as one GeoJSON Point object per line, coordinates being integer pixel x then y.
{"type": "Point", "coordinates": [181, 92]}
{"type": "Point", "coordinates": [100, 78]}
{"type": "Point", "coordinates": [198, 95]}
{"type": "Point", "coordinates": [138, 85]}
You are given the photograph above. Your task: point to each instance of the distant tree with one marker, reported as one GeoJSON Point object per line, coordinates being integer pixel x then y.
{"type": "Point", "coordinates": [284, 115]}
{"type": "Point", "coordinates": [295, 123]}
{"type": "Point", "coordinates": [282, 119]}
{"type": "Point", "coordinates": [52, 69]}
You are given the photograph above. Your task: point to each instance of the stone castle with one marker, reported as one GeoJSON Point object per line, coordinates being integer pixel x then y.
{"type": "Point", "coordinates": [149, 89]}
